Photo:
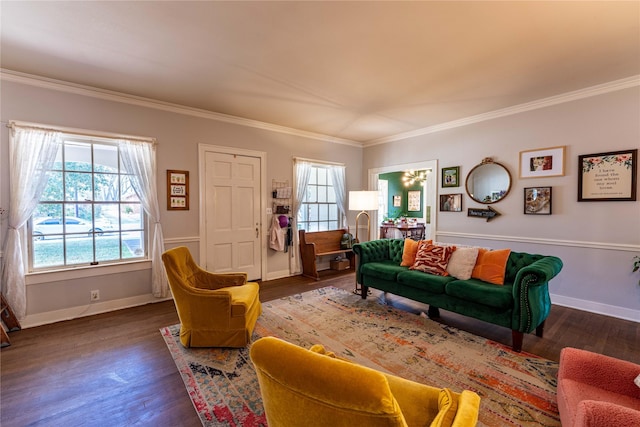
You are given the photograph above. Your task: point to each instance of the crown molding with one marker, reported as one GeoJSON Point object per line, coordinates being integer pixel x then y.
{"type": "Point", "coordinates": [62, 86]}
{"type": "Point", "coordinates": [516, 109]}
{"type": "Point", "coordinates": [109, 95]}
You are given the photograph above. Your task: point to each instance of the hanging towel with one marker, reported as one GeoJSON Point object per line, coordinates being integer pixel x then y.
{"type": "Point", "coordinates": [276, 235]}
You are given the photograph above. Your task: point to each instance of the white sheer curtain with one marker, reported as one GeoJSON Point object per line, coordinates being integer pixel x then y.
{"type": "Point", "coordinates": [340, 188]}
{"type": "Point", "coordinates": [32, 152]}
{"type": "Point", "coordinates": [139, 159]}
{"type": "Point", "coordinates": [302, 173]}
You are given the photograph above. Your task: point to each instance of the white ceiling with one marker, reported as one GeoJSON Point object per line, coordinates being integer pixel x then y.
{"type": "Point", "coordinates": [360, 71]}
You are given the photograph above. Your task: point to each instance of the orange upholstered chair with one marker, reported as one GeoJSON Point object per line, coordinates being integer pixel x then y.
{"type": "Point", "coordinates": [215, 309]}
{"type": "Point", "coordinates": [595, 390]}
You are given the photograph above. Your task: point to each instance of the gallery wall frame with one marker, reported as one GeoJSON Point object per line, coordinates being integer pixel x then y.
{"type": "Point", "coordinates": [451, 202]}
{"type": "Point", "coordinates": [542, 162]}
{"type": "Point", "coordinates": [608, 177]}
{"type": "Point", "coordinates": [451, 177]}
{"type": "Point", "coordinates": [413, 201]}
{"type": "Point", "coordinates": [177, 190]}
{"type": "Point", "coordinates": [537, 200]}
{"type": "Point", "coordinates": [397, 201]}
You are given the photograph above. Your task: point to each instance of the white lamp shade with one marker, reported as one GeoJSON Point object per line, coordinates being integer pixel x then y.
{"type": "Point", "coordinates": [363, 200]}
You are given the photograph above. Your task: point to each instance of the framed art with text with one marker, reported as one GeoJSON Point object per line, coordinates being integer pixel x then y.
{"type": "Point", "coordinates": [608, 177]}
{"type": "Point", "coordinates": [177, 190]}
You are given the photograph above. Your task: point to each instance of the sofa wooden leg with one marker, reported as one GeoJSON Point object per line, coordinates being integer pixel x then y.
{"type": "Point", "coordinates": [434, 312]}
{"type": "Point", "coordinates": [517, 338]}
{"type": "Point", "coordinates": [540, 329]}
{"type": "Point", "coordinates": [364, 291]}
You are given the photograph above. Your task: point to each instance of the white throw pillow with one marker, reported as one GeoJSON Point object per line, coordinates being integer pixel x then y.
{"type": "Point", "coordinates": [462, 262]}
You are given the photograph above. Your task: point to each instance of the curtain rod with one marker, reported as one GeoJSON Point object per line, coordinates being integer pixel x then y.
{"type": "Point", "coordinates": [75, 131]}
{"type": "Point", "coordinates": [322, 162]}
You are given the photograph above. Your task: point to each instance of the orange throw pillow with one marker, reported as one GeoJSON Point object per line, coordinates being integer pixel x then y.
{"type": "Point", "coordinates": [410, 250]}
{"type": "Point", "coordinates": [491, 266]}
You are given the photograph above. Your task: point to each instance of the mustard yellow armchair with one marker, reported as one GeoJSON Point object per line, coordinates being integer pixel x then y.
{"type": "Point", "coordinates": [215, 310]}
{"type": "Point", "coordinates": [314, 388]}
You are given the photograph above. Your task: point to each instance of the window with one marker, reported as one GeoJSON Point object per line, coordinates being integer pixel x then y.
{"type": "Point", "coordinates": [88, 213]}
{"type": "Point", "coordinates": [319, 210]}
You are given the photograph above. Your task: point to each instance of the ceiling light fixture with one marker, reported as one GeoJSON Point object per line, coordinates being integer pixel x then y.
{"type": "Point", "coordinates": [412, 177]}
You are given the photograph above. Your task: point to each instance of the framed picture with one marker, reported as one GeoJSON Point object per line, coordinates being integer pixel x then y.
{"type": "Point", "coordinates": [451, 202]}
{"type": "Point", "coordinates": [542, 162]}
{"type": "Point", "coordinates": [397, 201]}
{"type": "Point", "coordinates": [537, 201]}
{"type": "Point", "coordinates": [451, 177]}
{"type": "Point", "coordinates": [177, 190]}
{"type": "Point", "coordinates": [413, 200]}
{"type": "Point", "coordinates": [608, 177]}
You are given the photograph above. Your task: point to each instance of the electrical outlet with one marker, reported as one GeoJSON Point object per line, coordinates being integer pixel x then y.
{"type": "Point", "coordinates": [95, 295]}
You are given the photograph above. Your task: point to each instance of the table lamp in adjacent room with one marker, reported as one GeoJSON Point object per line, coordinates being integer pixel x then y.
{"type": "Point", "coordinates": [363, 201]}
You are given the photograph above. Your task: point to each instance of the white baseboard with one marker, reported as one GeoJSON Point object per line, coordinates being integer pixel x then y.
{"type": "Point", "coordinates": [39, 319]}
{"type": "Point", "coordinates": [596, 307]}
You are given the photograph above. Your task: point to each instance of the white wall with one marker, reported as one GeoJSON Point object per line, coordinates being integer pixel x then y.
{"type": "Point", "coordinates": [595, 240]}
{"type": "Point", "coordinates": [178, 136]}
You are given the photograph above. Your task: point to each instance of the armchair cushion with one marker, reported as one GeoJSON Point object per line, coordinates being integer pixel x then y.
{"type": "Point", "coordinates": [316, 388]}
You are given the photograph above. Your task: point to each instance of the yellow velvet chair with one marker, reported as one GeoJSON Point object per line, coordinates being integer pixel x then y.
{"type": "Point", "coordinates": [215, 309]}
{"type": "Point", "coordinates": [309, 388]}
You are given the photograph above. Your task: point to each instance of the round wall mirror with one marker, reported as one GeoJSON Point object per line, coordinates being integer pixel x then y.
{"type": "Point", "coordinates": [489, 182]}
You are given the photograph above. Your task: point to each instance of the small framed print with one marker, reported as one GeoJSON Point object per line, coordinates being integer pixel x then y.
{"type": "Point", "coordinates": [451, 202]}
{"type": "Point", "coordinates": [413, 201]}
{"type": "Point", "coordinates": [537, 201]}
{"type": "Point", "coordinates": [177, 190]}
{"type": "Point", "coordinates": [608, 177]}
{"type": "Point", "coordinates": [451, 177]}
{"type": "Point", "coordinates": [542, 162]}
{"type": "Point", "coordinates": [397, 201]}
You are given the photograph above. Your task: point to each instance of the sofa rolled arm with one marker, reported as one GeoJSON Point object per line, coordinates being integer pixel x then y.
{"type": "Point", "coordinates": [532, 302]}
{"type": "Point", "coordinates": [544, 269]}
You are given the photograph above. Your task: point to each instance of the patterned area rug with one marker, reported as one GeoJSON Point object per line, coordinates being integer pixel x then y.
{"type": "Point", "coordinates": [517, 389]}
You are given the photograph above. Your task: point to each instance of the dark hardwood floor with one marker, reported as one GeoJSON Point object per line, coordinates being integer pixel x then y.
{"type": "Point", "coordinates": [114, 369]}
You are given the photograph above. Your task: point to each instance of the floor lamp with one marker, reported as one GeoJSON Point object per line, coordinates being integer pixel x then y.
{"type": "Point", "coordinates": [363, 201]}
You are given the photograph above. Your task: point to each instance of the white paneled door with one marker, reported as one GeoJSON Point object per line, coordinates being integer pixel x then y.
{"type": "Point", "coordinates": [232, 213]}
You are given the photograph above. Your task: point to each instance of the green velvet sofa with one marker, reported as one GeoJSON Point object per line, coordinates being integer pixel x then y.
{"type": "Point", "coordinates": [522, 304]}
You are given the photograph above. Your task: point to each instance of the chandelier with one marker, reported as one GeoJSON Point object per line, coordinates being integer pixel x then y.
{"type": "Point", "coordinates": [412, 177]}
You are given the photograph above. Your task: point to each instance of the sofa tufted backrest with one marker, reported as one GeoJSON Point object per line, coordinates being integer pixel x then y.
{"type": "Point", "coordinates": [516, 261]}
{"type": "Point", "coordinates": [396, 248]}
{"type": "Point", "coordinates": [375, 250]}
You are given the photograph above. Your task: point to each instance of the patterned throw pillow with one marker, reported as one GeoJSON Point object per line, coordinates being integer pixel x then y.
{"type": "Point", "coordinates": [433, 259]}
{"type": "Point", "coordinates": [410, 251]}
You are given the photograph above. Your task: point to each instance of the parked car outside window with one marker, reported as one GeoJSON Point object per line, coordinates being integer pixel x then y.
{"type": "Point", "coordinates": [43, 227]}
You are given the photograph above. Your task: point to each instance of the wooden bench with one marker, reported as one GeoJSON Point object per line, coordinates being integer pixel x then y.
{"type": "Point", "coordinates": [314, 244]}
